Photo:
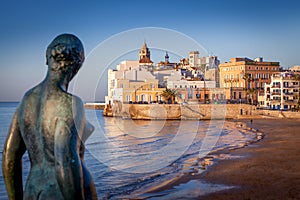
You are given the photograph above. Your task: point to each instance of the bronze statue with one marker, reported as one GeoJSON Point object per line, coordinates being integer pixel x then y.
{"type": "Point", "coordinates": [50, 124]}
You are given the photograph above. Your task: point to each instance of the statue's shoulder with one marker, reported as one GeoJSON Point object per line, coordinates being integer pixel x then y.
{"type": "Point", "coordinates": [31, 97]}
{"type": "Point", "coordinates": [33, 92]}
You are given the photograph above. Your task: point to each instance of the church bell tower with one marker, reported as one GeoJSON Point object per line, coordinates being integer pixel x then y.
{"type": "Point", "coordinates": [145, 54]}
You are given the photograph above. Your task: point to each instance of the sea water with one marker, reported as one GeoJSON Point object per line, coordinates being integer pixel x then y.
{"type": "Point", "coordinates": [126, 156]}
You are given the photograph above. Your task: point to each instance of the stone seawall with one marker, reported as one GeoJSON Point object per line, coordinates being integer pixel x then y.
{"type": "Point", "coordinates": [177, 111]}
{"type": "Point", "coordinates": [279, 114]}
{"type": "Point", "coordinates": [197, 111]}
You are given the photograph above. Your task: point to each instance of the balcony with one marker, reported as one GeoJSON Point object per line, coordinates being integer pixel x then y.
{"type": "Point", "coordinates": [291, 101]}
{"type": "Point", "coordinates": [275, 101]}
{"type": "Point", "coordinates": [275, 86]}
{"type": "Point", "coordinates": [288, 94]}
{"type": "Point", "coordinates": [276, 93]}
{"type": "Point", "coordinates": [293, 86]}
{"type": "Point", "coordinates": [231, 80]}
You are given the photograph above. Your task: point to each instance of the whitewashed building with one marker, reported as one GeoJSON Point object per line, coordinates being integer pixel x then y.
{"type": "Point", "coordinates": [282, 92]}
{"type": "Point", "coordinates": [179, 84]}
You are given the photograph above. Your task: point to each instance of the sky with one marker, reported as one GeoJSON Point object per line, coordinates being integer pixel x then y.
{"type": "Point", "coordinates": [225, 28]}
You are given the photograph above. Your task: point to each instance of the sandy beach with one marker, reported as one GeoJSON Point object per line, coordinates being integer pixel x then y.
{"type": "Point", "coordinates": [268, 169]}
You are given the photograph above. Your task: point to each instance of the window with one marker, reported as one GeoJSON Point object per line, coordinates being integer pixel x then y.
{"type": "Point", "coordinates": [285, 84]}
{"type": "Point", "coordinates": [284, 91]}
{"type": "Point", "coordinates": [190, 93]}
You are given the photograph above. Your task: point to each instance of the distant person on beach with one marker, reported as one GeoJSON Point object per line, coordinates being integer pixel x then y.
{"type": "Point", "coordinates": [50, 124]}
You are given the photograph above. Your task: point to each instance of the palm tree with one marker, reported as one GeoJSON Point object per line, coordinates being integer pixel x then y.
{"type": "Point", "coordinates": [297, 78]}
{"type": "Point", "coordinates": [247, 78]}
{"type": "Point", "coordinates": [251, 92]}
{"type": "Point", "coordinates": [170, 94]}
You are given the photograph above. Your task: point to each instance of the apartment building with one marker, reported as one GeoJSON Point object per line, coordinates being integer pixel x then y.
{"type": "Point", "coordinates": [246, 78]}
{"type": "Point", "coordinates": [282, 93]}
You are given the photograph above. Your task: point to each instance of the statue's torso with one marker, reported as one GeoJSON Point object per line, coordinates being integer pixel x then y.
{"type": "Point", "coordinates": [38, 116]}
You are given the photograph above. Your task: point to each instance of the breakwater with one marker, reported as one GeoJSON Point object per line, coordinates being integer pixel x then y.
{"type": "Point", "coordinates": [96, 106]}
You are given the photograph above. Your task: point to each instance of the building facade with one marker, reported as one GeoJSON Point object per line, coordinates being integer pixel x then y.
{"type": "Point", "coordinates": [194, 60]}
{"type": "Point", "coordinates": [132, 84]}
{"type": "Point", "coordinates": [282, 93]}
{"type": "Point", "coordinates": [246, 78]}
{"type": "Point", "coordinates": [131, 91]}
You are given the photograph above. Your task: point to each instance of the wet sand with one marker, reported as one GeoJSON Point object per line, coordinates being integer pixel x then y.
{"type": "Point", "coordinates": [269, 169]}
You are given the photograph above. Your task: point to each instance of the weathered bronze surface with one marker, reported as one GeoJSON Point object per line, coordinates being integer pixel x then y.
{"type": "Point", "coordinates": [50, 124]}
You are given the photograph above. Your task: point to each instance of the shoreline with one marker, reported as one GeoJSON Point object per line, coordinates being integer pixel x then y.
{"type": "Point", "coordinates": [268, 169]}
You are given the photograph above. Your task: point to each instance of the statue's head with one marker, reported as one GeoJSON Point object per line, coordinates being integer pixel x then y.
{"type": "Point", "coordinates": [67, 52]}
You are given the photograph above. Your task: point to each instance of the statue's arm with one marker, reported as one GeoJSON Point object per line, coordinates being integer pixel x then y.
{"type": "Point", "coordinates": [67, 160]}
{"type": "Point", "coordinates": [13, 151]}
{"type": "Point", "coordinates": [68, 140]}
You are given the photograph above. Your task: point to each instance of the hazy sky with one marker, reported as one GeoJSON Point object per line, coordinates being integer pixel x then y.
{"type": "Point", "coordinates": [233, 28]}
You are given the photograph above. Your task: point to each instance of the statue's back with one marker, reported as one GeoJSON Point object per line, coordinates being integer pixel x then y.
{"type": "Point", "coordinates": [39, 113]}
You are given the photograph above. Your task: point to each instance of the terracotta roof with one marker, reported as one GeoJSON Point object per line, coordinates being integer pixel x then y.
{"type": "Point", "coordinates": [145, 60]}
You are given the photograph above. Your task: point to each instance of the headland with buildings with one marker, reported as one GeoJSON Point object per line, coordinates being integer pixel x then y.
{"type": "Point", "coordinates": [196, 86]}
